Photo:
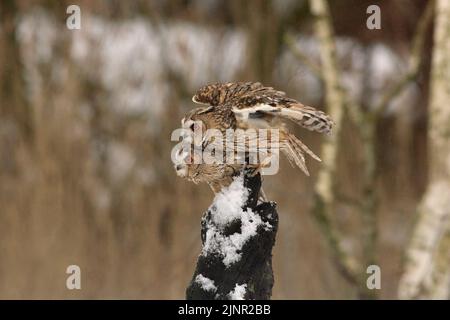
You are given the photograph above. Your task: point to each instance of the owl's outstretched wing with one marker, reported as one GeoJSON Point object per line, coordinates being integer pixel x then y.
{"type": "Point", "coordinates": [252, 99]}
{"type": "Point", "coordinates": [276, 104]}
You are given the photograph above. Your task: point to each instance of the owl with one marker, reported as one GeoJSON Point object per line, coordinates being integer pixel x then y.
{"type": "Point", "coordinates": [227, 107]}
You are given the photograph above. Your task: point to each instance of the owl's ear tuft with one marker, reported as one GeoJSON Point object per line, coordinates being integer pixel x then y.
{"type": "Point", "coordinates": [206, 110]}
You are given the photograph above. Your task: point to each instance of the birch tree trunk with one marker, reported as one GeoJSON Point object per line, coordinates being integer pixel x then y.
{"type": "Point", "coordinates": [325, 198]}
{"type": "Point", "coordinates": [427, 268]}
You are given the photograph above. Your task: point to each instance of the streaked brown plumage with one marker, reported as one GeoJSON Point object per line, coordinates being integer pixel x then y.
{"type": "Point", "coordinates": [244, 105]}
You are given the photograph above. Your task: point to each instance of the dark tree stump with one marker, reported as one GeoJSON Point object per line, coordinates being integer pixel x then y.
{"type": "Point", "coordinates": [220, 275]}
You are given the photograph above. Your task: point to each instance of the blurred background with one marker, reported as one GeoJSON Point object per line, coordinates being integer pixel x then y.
{"type": "Point", "coordinates": [85, 121]}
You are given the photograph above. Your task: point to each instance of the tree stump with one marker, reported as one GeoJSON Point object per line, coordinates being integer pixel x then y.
{"type": "Point", "coordinates": [238, 232]}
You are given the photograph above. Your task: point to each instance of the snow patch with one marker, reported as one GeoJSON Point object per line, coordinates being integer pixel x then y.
{"type": "Point", "coordinates": [206, 283]}
{"type": "Point", "coordinates": [238, 292]}
{"type": "Point", "coordinates": [227, 207]}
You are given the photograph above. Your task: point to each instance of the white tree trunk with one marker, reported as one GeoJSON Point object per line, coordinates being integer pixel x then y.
{"type": "Point", "coordinates": [427, 268]}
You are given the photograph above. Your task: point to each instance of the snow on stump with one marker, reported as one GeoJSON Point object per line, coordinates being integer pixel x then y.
{"type": "Point", "coordinates": [238, 233]}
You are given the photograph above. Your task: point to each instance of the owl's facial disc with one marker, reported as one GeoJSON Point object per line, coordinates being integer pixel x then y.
{"type": "Point", "coordinates": [193, 134]}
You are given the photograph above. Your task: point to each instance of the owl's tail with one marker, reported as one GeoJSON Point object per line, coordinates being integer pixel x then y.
{"type": "Point", "coordinates": [294, 150]}
{"type": "Point", "coordinates": [308, 117]}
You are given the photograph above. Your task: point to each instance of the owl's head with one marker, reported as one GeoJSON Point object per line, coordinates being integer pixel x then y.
{"type": "Point", "coordinates": [194, 125]}
{"type": "Point", "coordinates": [196, 119]}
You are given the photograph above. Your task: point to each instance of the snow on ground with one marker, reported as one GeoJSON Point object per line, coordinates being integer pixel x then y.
{"type": "Point", "coordinates": [238, 292]}
{"type": "Point", "coordinates": [206, 283]}
{"type": "Point", "coordinates": [227, 207]}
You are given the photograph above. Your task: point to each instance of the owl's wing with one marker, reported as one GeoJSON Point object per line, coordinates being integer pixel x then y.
{"type": "Point", "coordinates": [222, 93]}
{"type": "Point", "coordinates": [268, 101]}
{"type": "Point", "coordinates": [251, 99]}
